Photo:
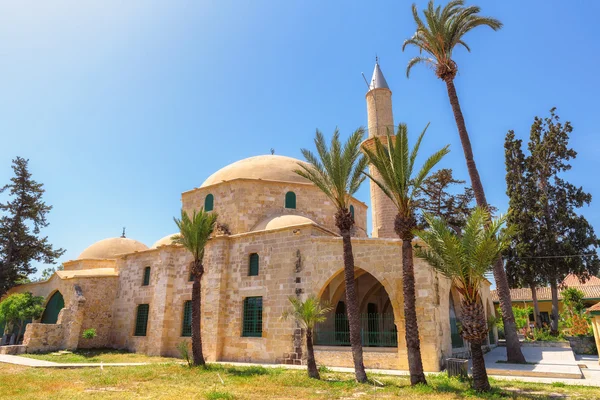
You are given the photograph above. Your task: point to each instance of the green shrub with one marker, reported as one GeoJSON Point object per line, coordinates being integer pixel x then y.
{"type": "Point", "coordinates": [218, 395]}
{"type": "Point", "coordinates": [89, 333]}
{"type": "Point", "coordinates": [184, 352]}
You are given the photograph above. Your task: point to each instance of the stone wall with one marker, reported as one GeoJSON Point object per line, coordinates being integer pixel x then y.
{"type": "Point", "coordinates": [583, 344]}
{"type": "Point", "coordinates": [78, 265]}
{"type": "Point", "coordinates": [41, 338]}
{"type": "Point", "coordinates": [342, 357]}
{"type": "Point", "coordinates": [243, 203]}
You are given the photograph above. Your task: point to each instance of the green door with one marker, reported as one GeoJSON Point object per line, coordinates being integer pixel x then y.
{"type": "Point", "coordinates": [55, 304]}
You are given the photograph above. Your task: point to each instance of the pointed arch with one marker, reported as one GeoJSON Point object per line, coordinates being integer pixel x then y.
{"type": "Point", "coordinates": [55, 303]}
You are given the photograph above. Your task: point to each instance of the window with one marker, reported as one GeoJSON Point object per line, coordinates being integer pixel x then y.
{"type": "Point", "coordinates": [209, 202]}
{"type": "Point", "coordinates": [186, 329]}
{"type": "Point", "coordinates": [352, 211]}
{"type": "Point", "coordinates": [290, 200]}
{"type": "Point", "coordinates": [252, 323]}
{"type": "Point", "coordinates": [146, 280]}
{"type": "Point", "coordinates": [191, 277]}
{"type": "Point", "coordinates": [253, 265]}
{"type": "Point", "coordinates": [141, 320]}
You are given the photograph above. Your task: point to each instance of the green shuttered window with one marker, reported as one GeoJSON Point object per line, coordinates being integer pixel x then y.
{"type": "Point", "coordinates": [209, 201]}
{"type": "Point", "coordinates": [252, 323]}
{"type": "Point", "coordinates": [290, 200]}
{"type": "Point", "coordinates": [186, 329]}
{"type": "Point", "coordinates": [141, 320]}
{"type": "Point", "coordinates": [146, 280]}
{"type": "Point", "coordinates": [352, 211]}
{"type": "Point", "coordinates": [253, 265]}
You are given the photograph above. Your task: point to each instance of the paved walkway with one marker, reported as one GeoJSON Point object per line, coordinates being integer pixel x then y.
{"type": "Point", "coordinates": [543, 362]}
{"type": "Point", "coordinates": [32, 362]}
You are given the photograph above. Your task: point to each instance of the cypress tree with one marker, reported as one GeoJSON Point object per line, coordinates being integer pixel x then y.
{"type": "Point", "coordinates": [554, 239]}
{"type": "Point", "coordinates": [22, 217]}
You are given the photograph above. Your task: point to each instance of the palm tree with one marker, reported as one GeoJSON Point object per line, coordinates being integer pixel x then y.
{"type": "Point", "coordinates": [444, 29]}
{"type": "Point", "coordinates": [337, 171]}
{"type": "Point", "coordinates": [308, 313]}
{"type": "Point", "coordinates": [464, 258]}
{"type": "Point", "coordinates": [395, 167]}
{"type": "Point", "coordinates": [194, 234]}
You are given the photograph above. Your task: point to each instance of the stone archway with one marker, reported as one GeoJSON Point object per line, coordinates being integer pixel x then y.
{"type": "Point", "coordinates": [55, 303]}
{"type": "Point", "coordinates": [377, 312]}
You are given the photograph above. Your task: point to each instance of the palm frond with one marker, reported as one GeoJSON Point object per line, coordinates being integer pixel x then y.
{"type": "Point", "coordinates": [195, 231]}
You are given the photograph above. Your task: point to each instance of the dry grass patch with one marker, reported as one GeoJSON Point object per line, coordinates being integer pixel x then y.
{"type": "Point", "coordinates": [99, 355]}
{"type": "Point", "coordinates": [175, 381]}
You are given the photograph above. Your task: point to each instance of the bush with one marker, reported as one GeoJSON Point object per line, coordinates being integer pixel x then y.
{"type": "Point", "coordinates": [184, 352]}
{"type": "Point", "coordinates": [544, 335]}
{"type": "Point", "coordinates": [89, 333]}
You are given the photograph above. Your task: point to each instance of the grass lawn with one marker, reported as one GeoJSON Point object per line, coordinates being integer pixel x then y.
{"type": "Point", "coordinates": [99, 355]}
{"type": "Point", "coordinates": [175, 381]}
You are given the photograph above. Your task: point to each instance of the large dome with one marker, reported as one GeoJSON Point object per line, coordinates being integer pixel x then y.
{"type": "Point", "coordinates": [281, 221]}
{"type": "Point", "coordinates": [167, 240]}
{"type": "Point", "coordinates": [269, 168]}
{"type": "Point", "coordinates": [112, 248]}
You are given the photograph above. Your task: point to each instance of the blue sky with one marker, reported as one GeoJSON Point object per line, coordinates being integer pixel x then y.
{"type": "Point", "coordinates": [121, 106]}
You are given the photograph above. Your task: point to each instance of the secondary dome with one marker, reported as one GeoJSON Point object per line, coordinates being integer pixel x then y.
{"type": "Point", "coordinates": [281, 221]}
{"type": "Point", "coordinates": [112, 248]}
{"type": "Point", "coordinates": [167, 240]}
{"type": "Point", "coordinates": [269, 167]}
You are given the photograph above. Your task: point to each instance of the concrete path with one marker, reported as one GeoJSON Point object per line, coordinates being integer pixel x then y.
{"type": "Point", "coordinates": [32, 362]}
{"type": "Point", "coordinates": [543, 362]}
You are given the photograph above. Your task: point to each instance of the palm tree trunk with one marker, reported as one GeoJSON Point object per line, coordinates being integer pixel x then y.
{"type": "Point", "coordinates": [411, 330]}
{"type": "Point", "coordinates": [554, 319]}
{"type": "Point", "coordinates": [352, 309]}
{"type": "Point", "coordinates": [313, 372]}
{"type": "Point", "coordinates": [513, 346]}
{"type": "Point", "coordinates": [480, 378]}
{"type": "Point", "coordinates": [536, 307]}
{"type": "Point", "coordinates": [197, 319]}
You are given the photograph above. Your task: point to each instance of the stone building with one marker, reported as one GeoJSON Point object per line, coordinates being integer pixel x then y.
{"type": "Point", "coordinates": [280, 241]}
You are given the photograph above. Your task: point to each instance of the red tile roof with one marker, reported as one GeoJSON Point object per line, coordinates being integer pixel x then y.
{"type": "Point", "coordinates": [595, 308]}
{"type": "Point", "coordinates": [573, 280]}
{"type": "Point", "coordinates": [543, 293]}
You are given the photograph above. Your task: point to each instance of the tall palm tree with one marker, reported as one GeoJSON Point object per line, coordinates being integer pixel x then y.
{"type": "Point", "coordinates": [194, 233]}
{"type": "Point", "coordinates": [464, 258]}
{"type": "Point", "coordinates": [437, 36]}
{"type": "Point", "coordinates": [308, 313]}
{"type": "Point", "coordinates": [337, 171]}
{"type": "Point", "coordinates": [397, 181]}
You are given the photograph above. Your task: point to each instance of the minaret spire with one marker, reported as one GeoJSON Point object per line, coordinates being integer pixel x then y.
{"type": "Point", "coordinates": [380, 123]}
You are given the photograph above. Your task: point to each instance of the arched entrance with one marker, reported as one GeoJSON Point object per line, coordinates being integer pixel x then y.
{"type": "Point", "coordinates": [378, 328]}
{"type": "Point", "coordinates": [53, 307]}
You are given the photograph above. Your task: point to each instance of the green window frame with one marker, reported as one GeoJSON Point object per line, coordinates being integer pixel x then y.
{"type": "Point", "coordinates": [290, 200]}
{"type": "Point", "coordinates": [191, 277]}
{"type": "Point", "coordinates": [146, 280]}
{"type": "Point", "coordinates": [186, 328]}
{"type": "Point", "coordinates": [209, 202]}
{"type": "Point", "coordinates": [141, 320]}
{"type": "Point", "coordinates": [352, 210]}
{"type": "Point", "coordinates": [252, 321]}
{"type": "Point", "coordinates": [253, 264]}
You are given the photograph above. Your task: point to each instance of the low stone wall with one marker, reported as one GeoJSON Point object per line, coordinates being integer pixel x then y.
{"type": "Point", "coordinates": [40, 338]}
{"type": "Point", "coordinates": [540, 343]}
{"type": "Point", "coordinates": [14, 350]}
{"type": "Point", "coordinates": [583, 344]}
{"type": "Point", "coordinates": [380, 358]}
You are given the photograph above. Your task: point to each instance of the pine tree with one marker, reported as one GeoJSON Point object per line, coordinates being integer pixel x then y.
{"type": "Point", "coordinates": [560, 240]}
{"type": "Point", "coordinates": [436, 198]}
{"type": "Point", "coordinates": [23, 216]}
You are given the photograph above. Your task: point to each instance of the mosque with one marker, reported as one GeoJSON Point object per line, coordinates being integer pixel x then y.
{"type": "Point", "coordinates": [278, 239]}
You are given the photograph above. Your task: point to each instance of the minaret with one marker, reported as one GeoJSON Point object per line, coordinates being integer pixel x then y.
{"type": "Point", "coordinates": [380, 120]}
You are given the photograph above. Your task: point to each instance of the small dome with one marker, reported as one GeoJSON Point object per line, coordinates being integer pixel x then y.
{"type": "Point", "coordinates": [112, 248]}
{"type": "Point", "coordinates": [281, 221]}
{"type": "Point", "coordinates": [269, 168]}
{"type": "Point", "coordinates": [167, 240]}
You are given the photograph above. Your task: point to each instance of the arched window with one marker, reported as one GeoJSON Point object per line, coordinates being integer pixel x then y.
{"type": "Point", "coordinates": [53, 307]}
{"type": "Point", "coordinates": [253, 265]}
{"type": "Point", "coordinates": [146, 280]}
{"type": "Point", "coordinates": [209, 202]}
{"type": "Point", "coordinates": [290, 200]}
{"type": "Point", "coordinates": [352, 210]}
